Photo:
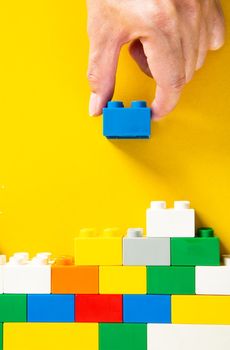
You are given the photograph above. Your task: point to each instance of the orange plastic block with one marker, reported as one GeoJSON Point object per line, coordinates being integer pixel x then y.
{"type": "Point", "coordinates": [71, 279]}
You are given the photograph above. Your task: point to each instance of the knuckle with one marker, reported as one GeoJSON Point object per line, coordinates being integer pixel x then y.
{"type": "Point", "coordinates": [93, 78]}
{"type": "Point", "coordinates": [93, 67]}
{"type": "Point", "coordinates": [178, 83]}
{"type": "Point", "coordinates": [165, 19]}
{"type": "Point", "coordinates": [193, 9]}
{"type": "Point", "coordinates": [163, 22]}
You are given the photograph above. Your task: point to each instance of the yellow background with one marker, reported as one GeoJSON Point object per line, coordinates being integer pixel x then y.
{"type": "Point", "coordinates": [57, 172]}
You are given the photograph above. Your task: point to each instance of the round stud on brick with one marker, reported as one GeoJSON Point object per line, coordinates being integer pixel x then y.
{"type": "Point", "coordinates": [181, 205]}
{"type": "Point", "coordinates": [44, 254]}
{"type": "Point", "coordinates": [112, 232]}
{"type": "Point", "coordinates": [205, 232]}
{"type": "Point", "coordinates": [64, 260]}
{"type": "Point", "coordinates": [24, 255]}
{"type": "Point", "coordinates": [135, 232]}
{"type": "Point", "coordinates": [87, 232]}
{"type": "Point", "coordinates": [2, 259]}
{"type": "Point", "coordinates": [138, 104]}
{"type": "Point", "coordinates": [42, 260]}
{"type": "Point", "coordinates": [158, 205]}
{"type": "Point", "coordinates": [20, 258]}
{"type": "Point", "coordinates": [226, 260]}
{"type": "Point", "coordinates": [115, 104]}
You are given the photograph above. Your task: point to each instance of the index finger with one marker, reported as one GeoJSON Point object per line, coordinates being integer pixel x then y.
{"type": "Point", "coordinates": [166, 62]}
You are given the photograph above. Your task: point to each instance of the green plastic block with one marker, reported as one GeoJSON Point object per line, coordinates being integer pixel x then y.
{"type": "Point", "coordinates": [13, 307]}
{"type": "Point", "coordinates": [122, 336]}
{"type": "Point", "coordinates": [201, 251]}
{"type": "Point", "coordinates": [170, 280]}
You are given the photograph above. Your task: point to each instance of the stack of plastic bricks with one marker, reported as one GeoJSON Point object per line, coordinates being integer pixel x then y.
{"type": "Point", "coordinates": [162, 291]}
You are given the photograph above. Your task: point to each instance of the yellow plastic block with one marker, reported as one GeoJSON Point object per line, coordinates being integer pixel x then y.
{"type": "Point", "coordinates": [122, 279]}
{"type": "Point", "coordinates": [200, 309]}
{"type": "Point", "coordinates": [46, 336]}
{"type": "Point", "coordinates": [92, 249]}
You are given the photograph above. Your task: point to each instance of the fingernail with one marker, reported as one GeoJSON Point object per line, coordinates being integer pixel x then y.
{"type": "Point", "coordinates": [94, 105]}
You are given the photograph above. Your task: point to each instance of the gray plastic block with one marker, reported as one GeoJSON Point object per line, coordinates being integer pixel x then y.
{"type": "Point", "coordinates": [146, 250]}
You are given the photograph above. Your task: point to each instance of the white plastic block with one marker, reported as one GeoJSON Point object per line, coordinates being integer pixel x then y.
{"type": "Point", "coordinates": [170, 222]}
{"type": "Point", "coordinates": [1, 279]}
{"type": "Point", "coordinates": [2, 263]}
{"type": "Point", "coordinates": [226, 260]}
{"type": "Point", "coordinates": [142, 251]}
{"type": "Point", "coordinates": [188, 337]}
{"type": "Point", "coordinates": [214, 280]}
{"type": "Point", "coordinates": [24, 276]}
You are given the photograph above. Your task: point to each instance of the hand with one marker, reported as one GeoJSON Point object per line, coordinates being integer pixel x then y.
{"type": "Point", "coordinates": [169, 41]}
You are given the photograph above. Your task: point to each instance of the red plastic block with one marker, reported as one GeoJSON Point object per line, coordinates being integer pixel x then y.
{"type": "Point", "coordinates": [98, 308]}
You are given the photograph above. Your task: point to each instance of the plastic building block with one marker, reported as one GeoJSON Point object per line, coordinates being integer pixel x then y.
{"type": "Point", "coordinates": [147, 308]}
{"type": "Point", "coordinates": [122, 336]}
{"type": "Point", "coordinates": [94, 249]}
{"type": "Point", "coordinates": [13, 308]}
{"type": "Point", "coordinates": [50, 308]}
{"type": "Point", "coordinates": [171, 280]}
{"type": "Point", "coordinates": [202, 250]}
{"type": "Point", "coordinates": [226, 260]}
{"type": "Point", "coordinates": [122, 280]}
{"type": "Point", "coordinates": [126, 123]}
{"type": "Point", "coordinates": [2, 263]}
{"type": "Point", "coordinates": [200, 309]}
{"type": "Point", "coordinates": [58, 336]}
{"type": "Point", "coordinates": [170, 222]}
{"type": "Point", "coordinates": [187, 337]}
{"type": "Point", "coordinates": [22, 275]}
{"type": "Point", "coordinates": [98, 308]}
{"type": "Point", "coordinates": [213, 280]}
{"type": "Point", "coordinates": [70, 279]}
{"type": "Point", "coordinates": [139, 250]}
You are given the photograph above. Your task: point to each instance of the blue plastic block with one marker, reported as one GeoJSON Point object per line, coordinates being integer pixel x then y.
{"type": "Point", "coordinates": [50, 308]}
{"type": "Point", "coordinates": [147, 308]}
{"type": "Point", "coordinates": [127, 123]}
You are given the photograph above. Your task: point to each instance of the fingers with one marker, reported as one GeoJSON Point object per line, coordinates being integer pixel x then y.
{"type": "Point", "coordinates": [217, 28]}
{"type": "Point", "coordinates": [203, 44]}
{"type": "Point", "coordinates": [103, 59]}
{"type": "Point", "coordinates": [190, 47]}
{"type": "Point", "coordinates": [171, 40]}
{"type": "Point", "coordinates": [190, 22]}
{"type": "Point", "coordinates": [137, 52]}
{"type": "Point", "coordinates": [212, 30]}
{"type": "Point", "coordinates": [166, 62]}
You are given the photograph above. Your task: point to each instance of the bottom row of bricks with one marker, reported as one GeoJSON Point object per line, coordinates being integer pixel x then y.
{"type": "Point", "coordinates": [113, 336]}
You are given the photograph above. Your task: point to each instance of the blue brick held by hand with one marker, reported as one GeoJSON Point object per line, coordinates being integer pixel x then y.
{"type": "Point", "coordinates": [127, 123]}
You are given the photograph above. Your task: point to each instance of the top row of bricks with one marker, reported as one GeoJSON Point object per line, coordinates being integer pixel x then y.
{"type": "Point", "coordinates": [160, 222]}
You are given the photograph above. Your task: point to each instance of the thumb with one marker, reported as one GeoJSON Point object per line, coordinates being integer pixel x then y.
{"type": "Point", "coordinates": [103, 59]}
